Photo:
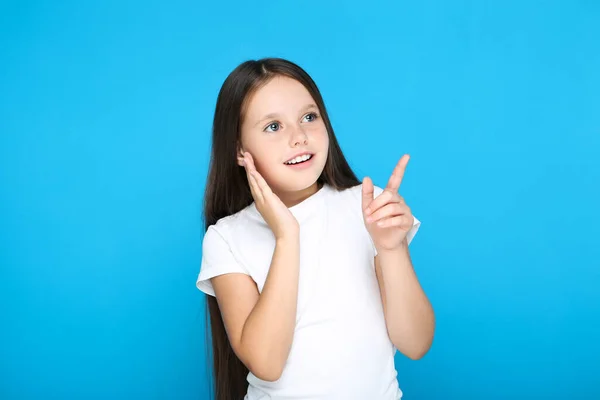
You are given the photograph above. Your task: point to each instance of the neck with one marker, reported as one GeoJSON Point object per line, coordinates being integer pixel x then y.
{"type": "Point", "coordinates": [290, 199]}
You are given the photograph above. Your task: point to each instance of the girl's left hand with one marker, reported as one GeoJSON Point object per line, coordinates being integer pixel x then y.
{"type": "Point", "coordinates": [387, 218]}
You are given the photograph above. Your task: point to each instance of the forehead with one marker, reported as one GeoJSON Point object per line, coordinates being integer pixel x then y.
{"type": "Point", "coordinates": [280, 95]}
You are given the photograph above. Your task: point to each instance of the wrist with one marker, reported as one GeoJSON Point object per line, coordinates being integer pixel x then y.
{"type": "Point", "coordinates": [402, 247]}
{"type": "Point", "coordinates": [290, 237]}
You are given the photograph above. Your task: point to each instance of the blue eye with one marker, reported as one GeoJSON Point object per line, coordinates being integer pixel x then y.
{"type": "Point", "coordinates": [313, 116]}
{"type": "Point", "coordinates": [272, 127]}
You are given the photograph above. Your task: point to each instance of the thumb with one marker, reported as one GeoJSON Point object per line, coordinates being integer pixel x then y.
{"type": "Point", "coordinates": [367, 192]}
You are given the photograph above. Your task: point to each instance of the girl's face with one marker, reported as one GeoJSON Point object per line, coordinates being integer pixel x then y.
{"type": "Point", "coordinates": [284, 133]}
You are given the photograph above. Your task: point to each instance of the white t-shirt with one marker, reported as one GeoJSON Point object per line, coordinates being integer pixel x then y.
{"type": "Point", "coordinates": [341, 349]}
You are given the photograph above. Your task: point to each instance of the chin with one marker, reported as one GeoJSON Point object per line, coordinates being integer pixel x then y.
{"type": "Point", "coordinates": [294, 183]}
{"type": "Point", "coordinates": [297, 185]}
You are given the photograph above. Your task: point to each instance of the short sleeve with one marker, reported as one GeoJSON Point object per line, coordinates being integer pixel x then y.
{"type": "Point", "coordinates": [411, 233]}
{"type": "Point", "coordinates": [217, 259]}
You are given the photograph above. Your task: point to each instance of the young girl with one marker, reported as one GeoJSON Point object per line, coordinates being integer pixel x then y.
{"type": "Point", "coordinates": [309, 280]}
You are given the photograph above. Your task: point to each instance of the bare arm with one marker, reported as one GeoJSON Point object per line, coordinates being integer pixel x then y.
{"type": "Point", "coordinates": [408, 314]}
{"type": "Point", "coordinates": [261, 327]}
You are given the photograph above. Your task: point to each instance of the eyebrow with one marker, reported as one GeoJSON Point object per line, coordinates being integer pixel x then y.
{"type": "Point", "coordinates": [275, 115]}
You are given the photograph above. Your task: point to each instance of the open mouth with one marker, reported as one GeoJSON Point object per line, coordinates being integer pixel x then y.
{"type": "Point", "coordinates": [299, 160]}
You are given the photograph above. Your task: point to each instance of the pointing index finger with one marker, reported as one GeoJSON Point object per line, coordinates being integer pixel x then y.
{"type": "Point", "coordinates": [398, 174]}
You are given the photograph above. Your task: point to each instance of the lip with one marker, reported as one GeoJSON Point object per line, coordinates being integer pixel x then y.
{"type": "Point", "coordinates": [303, 165]}
{"type": "Point", "coordinates": [298, 155]}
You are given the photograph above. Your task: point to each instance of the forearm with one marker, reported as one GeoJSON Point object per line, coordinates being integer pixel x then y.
{"type": "Point", "coordinates": [268, 332]}
{"type": "Point", "coordinates": [408, 313]}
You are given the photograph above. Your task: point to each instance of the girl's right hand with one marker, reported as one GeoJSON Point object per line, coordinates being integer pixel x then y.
{"type": "Point", "coordinates": [279, 218]}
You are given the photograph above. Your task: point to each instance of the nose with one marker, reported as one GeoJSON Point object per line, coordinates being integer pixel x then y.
{"type": "Point", "coordinates": [299, 137]}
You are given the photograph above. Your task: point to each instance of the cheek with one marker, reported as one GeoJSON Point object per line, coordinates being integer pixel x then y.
{"type": "Point", "coordinates": [321, 131]}
{"type": "Point", "coordinates": [321, 137]}
{"type": "Point", "coordinates": [253, 145]}
{"type": "Point", "coordinates": [263, 154]}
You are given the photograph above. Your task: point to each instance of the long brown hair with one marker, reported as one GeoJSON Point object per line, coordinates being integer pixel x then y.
{"type": "Point", "coordinates": [227, 190]}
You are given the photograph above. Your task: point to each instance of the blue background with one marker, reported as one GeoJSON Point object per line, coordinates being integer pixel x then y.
{"type": "Point", "coordinates": [105, 118]}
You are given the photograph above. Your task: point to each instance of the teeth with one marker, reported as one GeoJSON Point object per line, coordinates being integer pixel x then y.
{"type": "Point", "coordinates": [299, 159]}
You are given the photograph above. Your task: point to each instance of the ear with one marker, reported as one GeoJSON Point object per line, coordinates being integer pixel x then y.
{"type": "Point", "coordinates": [240, 156]}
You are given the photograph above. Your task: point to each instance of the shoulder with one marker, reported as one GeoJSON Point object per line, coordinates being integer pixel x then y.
{"type": "Point", "coordinates": [220, 254]}
{"type": "Point", "coordinates": [228, 232]}
{"type": "Point", "coordinates": [228, 226]}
